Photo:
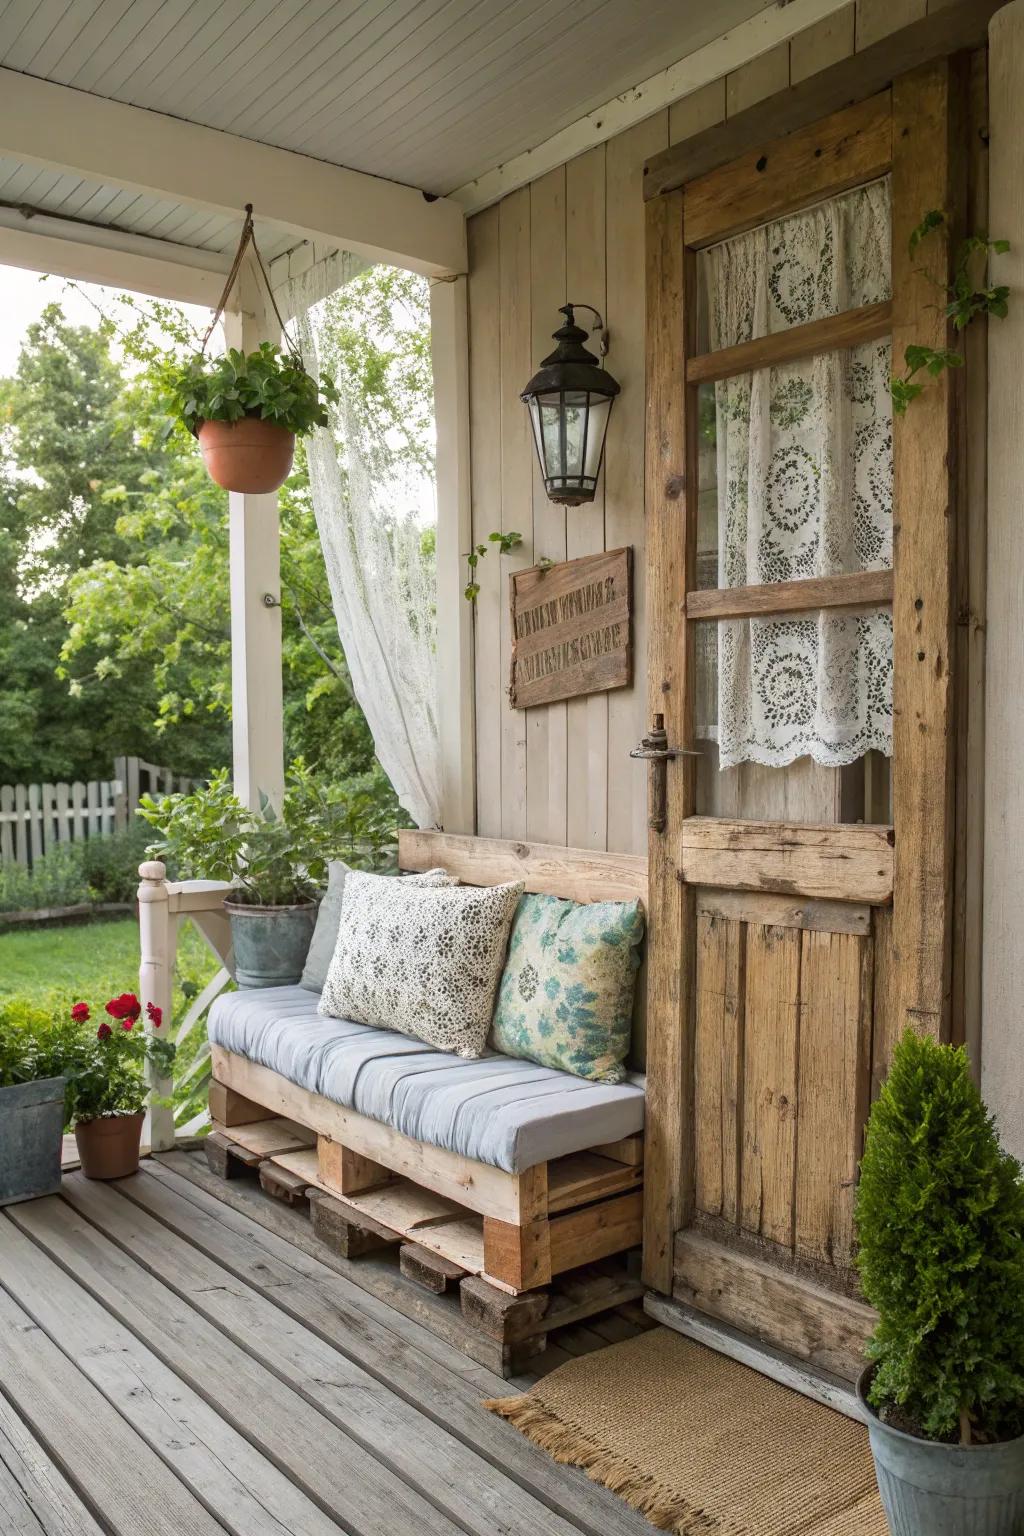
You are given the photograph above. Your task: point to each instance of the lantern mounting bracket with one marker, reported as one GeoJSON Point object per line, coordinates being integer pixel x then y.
{"type": "Point", "coordinates": [598, 329]}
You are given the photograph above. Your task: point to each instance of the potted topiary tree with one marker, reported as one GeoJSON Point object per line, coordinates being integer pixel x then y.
{"type": "Point", "coordinates": [940, 1223]}
{"type": "Point", "coordinates": [35, 1047]}
{"type": "Point", "coordinates": [274, 861]}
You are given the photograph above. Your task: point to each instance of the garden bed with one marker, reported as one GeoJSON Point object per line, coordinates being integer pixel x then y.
{"type": "Point", "coordinates": [82, 910]}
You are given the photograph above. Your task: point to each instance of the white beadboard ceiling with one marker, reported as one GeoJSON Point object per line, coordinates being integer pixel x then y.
{"type": "Point", "coordinates": [431, 93]}
{"type": "Point", "coordinates": [69, 197]}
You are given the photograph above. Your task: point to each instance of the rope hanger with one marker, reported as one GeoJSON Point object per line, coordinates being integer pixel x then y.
{"type": "Point", "coordinates": [247, 238]}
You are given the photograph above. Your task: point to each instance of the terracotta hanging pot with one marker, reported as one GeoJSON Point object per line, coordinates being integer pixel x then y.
{"type": "Point", "coordinates": [108, 1146]}
{"type": "Point", "coordinates": [250, 455]}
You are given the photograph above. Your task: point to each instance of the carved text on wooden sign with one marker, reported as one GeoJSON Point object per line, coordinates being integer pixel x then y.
{"type": "Point", "coordinates": [571, 628]}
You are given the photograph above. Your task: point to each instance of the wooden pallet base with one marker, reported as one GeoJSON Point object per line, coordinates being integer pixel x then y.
{"type": "Point", "coordinates": [592, 1208]}
{"type": "Point", "coordinates": [439, 1246]}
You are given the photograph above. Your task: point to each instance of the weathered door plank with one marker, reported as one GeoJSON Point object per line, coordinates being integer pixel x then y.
{"type": "Point", "coordinates": [770, 1081]}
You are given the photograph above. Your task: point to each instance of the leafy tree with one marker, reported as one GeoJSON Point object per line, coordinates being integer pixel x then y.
{"type": "Point", "coordinates": [143, 647]}
{"type": "Point", "coordinates": [940, 1221]}
{"type": "Point", "coordinates": [65, 441]}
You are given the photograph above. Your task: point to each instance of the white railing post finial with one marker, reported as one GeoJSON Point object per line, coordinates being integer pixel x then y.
{"type": "Point", "coordinates": [156, 979]}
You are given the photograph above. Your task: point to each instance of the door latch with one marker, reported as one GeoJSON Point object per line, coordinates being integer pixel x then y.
{"type": "Point", "coordinates": [655, 751]}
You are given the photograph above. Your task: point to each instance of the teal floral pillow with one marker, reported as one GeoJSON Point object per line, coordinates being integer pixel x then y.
{"type": "Point", "coordinates": [566, 995]}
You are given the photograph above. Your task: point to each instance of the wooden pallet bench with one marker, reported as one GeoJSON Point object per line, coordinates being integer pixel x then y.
{"type": "Point", "coordinates": [517, 1230]}
{"type": "Point", "coordinates": [440, 1245]}
{"type": "Point", "coordinates": [500, 1241]}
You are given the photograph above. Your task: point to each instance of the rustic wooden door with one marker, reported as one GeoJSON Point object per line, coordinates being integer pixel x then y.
{"type": "Point", "coordinates": [801, 915]}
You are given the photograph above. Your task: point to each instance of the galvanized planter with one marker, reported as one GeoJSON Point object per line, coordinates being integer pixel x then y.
{"type": "Point", "coordinates": [31, 1127]}
{"type": "Point", "coordinates": [930, 1489]}
{"type": "Point", "coordinates": [270, 943]}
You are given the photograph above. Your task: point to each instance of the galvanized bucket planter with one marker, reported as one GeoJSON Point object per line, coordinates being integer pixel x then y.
{"type": "Point", "coordinates": [930, 1489]}
{"type": "Point", "coordinates": [31, 1127]}
{"type": "Point", "coordinates": [270, 943]}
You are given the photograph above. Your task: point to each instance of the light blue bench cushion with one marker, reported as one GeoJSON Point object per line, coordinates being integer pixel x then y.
{"type": "Point", "coordinates": [512, 1114]}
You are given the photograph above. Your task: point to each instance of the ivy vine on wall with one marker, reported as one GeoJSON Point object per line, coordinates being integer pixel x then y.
{"type": "Point", "coordinates": [505, 543]}
{"type": "Point", "coordinates": [969, 295]}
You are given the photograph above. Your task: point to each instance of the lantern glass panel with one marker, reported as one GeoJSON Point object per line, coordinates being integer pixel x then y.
{"type": "Point", "coordinates": [600, 409]}
{"type": "Point", "coordinates": [552, 455]}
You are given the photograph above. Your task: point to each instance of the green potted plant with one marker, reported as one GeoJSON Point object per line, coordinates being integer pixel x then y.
{"type": "Point", "coordinates": [35, 1047]}
{"type": "Point", "coordinates": [108, 1087]}
{"type": "Point", "coordinates": [940, 1223]}
{"type": "Point", "coordinates": [246, 409]}
{"type": "Point", "coordinates": [275, 863]}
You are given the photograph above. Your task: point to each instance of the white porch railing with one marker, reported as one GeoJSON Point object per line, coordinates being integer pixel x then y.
{"type": "Point", "coordinates": [163, 906]}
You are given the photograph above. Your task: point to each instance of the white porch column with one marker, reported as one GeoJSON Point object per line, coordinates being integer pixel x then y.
{"type": "Point", "coordinates": [1002, 1041]}
{"type": "Point", "coordinates": [449, 333]}
{"type": "Point", "coordinates": [257, 727]}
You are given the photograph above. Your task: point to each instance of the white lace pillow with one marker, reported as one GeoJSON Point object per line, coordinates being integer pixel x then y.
{"type": "Point", "coordinates": [423, 962]}
{"type": "Point", "coordinates": [325, 935]}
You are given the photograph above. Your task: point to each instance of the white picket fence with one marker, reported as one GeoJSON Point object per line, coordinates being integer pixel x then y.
{"type": "Point", "coordinates": [36, 817]}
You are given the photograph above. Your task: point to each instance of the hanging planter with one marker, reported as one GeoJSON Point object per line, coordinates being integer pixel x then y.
{"type": "Point", "coordinates": [250, 454]}
{"type": "Point", "coordinates": [246, 409]}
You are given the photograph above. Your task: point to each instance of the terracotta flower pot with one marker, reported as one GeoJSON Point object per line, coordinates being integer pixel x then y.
{"type": "Point", "coordinates": [109, 1145]}
{"type": "Point", "coordinates": [248, 455]}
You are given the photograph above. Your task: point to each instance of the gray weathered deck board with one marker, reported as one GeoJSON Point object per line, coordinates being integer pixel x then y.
{"type": "Point", "coordinates": [174, 1362]}
{"type": "Point", "coordinates": [404, 1441]}
{"type": "Point", "coordinates": [248, 1495]}
{"type": "Point", "coordinates": [387, 1293]}
{"type": "Point", "coordinates": [331, 1307]}
{"type": "Point", "coordinates": [78, 1427]}
{"type": "Point", "coordinates": [289, 1234]}
{"type": "Point", "coordinates": [331, 1468]}
{"type": "Point", "coordinates": [34, 1496]}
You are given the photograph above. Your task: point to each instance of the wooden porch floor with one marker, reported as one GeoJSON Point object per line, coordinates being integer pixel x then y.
{"type": "Point", "coordinates": [170, 1366]}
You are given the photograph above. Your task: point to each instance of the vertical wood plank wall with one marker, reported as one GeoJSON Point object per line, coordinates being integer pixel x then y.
{"type": "Point", "coordinates": [562, 773]}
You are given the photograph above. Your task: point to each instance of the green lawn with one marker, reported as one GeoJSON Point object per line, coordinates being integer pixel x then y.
{"type": "Point", "coordinates": [94, 962]}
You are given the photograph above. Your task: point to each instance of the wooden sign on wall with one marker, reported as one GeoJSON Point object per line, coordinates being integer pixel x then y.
{"type": "Point", "coordinates": [571, 628]}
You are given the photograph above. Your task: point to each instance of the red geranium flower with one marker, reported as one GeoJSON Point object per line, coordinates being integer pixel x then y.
{"type": "Point", "coordinates": [155, 1015]}
{"type": "Point", "coordinates": [80, 1012]}
{"type": "Point", "coordinates": [127, 1006]}
{"type": "Point", "coordinates": [104, 1032]}
{"type": "Point", "coordinates": [127, 1023]}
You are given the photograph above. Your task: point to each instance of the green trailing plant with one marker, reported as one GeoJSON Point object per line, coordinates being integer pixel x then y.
{"type": "Point", "coordinates": [969, 295]}
{"type": "Point", "coordinates": [271, 858]}
{"type": "Point", "coordinates": [268, 383]}
{"type": "Point", "coordinates": [940, 1223]}
{"type": "Point", "coordinates": [505, 542]}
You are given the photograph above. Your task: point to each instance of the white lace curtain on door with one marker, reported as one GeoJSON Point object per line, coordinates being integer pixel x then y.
{"type": "Point", "coordinates": [804, 485]}
{"type": "Point", "coordinates": [382, 588]}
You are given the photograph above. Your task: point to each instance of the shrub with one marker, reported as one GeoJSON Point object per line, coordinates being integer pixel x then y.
{"type": "Point", "coordinates": [110, 865]}
{"type": "Point", "coordinates": [940, 1220]}
{"type": "Point", "coordinates": [56, 879]}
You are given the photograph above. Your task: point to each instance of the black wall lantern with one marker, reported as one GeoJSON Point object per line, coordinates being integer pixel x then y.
{"type": "Point", "coordinates": [570, 400]}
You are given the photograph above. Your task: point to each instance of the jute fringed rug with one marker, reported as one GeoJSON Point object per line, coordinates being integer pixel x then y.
{"type": "Point", "coordinates": [702, 1445]}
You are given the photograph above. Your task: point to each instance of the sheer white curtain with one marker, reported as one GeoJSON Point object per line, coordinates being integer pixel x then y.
{"type": "Point", "coordinates": [383, 590]}
{"type": "Point", "coordinates": [804, 484]}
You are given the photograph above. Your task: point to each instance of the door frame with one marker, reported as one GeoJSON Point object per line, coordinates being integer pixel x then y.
{"type": "Point", "coordinates": [928, 162]}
